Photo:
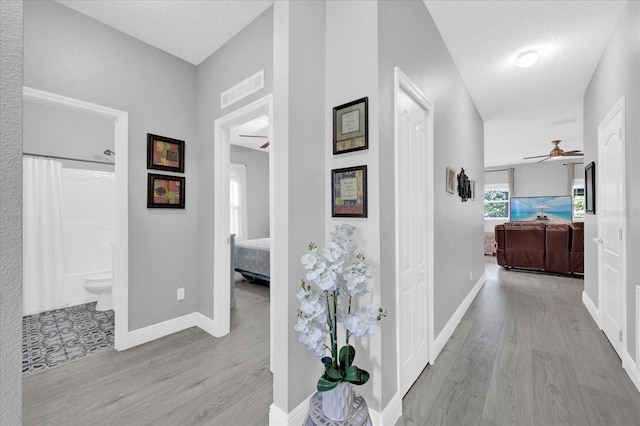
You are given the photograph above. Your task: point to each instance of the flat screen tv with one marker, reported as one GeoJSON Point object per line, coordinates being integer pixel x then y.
{"type": "Point", "coordinates": [542, 209]}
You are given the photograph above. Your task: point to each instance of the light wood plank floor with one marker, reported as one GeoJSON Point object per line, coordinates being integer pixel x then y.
{"type": "Point", "coordinates": [187, 378]}
{"type": "Point", "coordinates": [527, 352]}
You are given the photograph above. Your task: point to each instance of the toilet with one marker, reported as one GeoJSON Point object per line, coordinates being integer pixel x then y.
{"type": "Point", "coordinates": [100, 285]}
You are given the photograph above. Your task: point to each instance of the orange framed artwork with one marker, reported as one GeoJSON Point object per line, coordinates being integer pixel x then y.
{"type": "Point", "coordinates": [165, 153]}
{"type": "Point", "coordinates": [165, 191]}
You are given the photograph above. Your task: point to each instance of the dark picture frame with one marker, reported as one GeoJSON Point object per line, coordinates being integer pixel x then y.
{"type": "Point", "coordinates": [590, 188]}
{"type": "Point", "coordinates": [450, 180]}
{"type": "Point", "coordinates": [165, 191]}
{"type": "Point", "coordinates": [349, 192]}
{"type": "Point", "coordinates": [351, 126]}
{"type": "Point", "coordinates": [165, 153]}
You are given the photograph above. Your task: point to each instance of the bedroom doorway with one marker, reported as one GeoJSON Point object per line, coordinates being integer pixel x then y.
{"type": "Point", "coordinates": [245, 135]}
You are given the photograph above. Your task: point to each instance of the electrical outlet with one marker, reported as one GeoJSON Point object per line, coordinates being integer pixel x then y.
{"type": "Point", "coordinates": [180, 295]}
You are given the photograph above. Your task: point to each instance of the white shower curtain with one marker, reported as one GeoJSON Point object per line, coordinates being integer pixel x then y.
{"type": "Point", "coordinates": [43, 247]}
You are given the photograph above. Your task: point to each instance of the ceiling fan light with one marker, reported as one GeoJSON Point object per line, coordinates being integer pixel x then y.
{"type": "Point", "coordinates": [527, 58]}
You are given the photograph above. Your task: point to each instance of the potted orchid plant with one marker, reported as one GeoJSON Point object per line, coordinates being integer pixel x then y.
{"type": "Point", "coordinates": [326, 298]}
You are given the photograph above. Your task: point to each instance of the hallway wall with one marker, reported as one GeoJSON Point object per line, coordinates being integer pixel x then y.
{"type": "Point", "coordinates": [70, 54]}
{"type": "Point", "coordinates": [617, 75]}
{"type": "Point", "coordinates": [11, 13]}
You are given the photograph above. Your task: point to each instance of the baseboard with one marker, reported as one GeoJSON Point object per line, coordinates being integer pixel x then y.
{"type": "Point", "coordinates": [205, 323]}
{"type": "Point", "coordinates": [296, 417]}
{"type": "Point", "coordinates": [161, 329]}
{"type": "Point", "coordinates": [591, 307]}
{"type": "Point", "coordinates": [391, 413]}
{"type": "Point", "coordinates": [632, 369]}
{"type": "Point", "coordinates": [455, 319]}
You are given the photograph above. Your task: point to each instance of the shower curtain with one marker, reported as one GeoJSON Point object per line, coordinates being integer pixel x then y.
{"type": "Point", "coordinates": [43, 247]}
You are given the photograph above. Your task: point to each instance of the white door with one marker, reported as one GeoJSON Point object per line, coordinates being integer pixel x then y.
{"type": "Point", "coordinates": [610, 208]}
{"type": "Point", "coordinates": [412, 233]}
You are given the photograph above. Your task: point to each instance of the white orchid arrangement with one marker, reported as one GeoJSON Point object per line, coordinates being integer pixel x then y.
{"type": "Point", "coordinates": [326, 298]}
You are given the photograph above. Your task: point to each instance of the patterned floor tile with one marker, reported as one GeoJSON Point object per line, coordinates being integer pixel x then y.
{"type": "Point", "coordinates": [55, 337]}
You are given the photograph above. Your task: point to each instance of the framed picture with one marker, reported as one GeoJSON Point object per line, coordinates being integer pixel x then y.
{"type": "Point", "coordinates": [351, 126]}
{"type": "Point", "coordinates": [165, 153]}
{"type": "Point", "coordinates": [349, 192]}
{"type": "Point", "coordinates": [473, 189]}
{"type": "Point", "coordinates": [450, 182]}
{"type": "Point", "coordinates": [165, 191]}
{"type": "Point", "coordinates": [590, 188]}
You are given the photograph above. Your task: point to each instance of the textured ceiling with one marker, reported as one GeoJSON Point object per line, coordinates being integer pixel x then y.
{"type": "Point", "coordinates": [189, 29]}
{"type": "Point", "coordinates": [519, 106]}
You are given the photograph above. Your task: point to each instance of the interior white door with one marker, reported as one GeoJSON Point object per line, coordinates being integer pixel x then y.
{"type": "Point", "coordinates": [610, 209]}
{"type": "Point", "coordinates": [411, 228]}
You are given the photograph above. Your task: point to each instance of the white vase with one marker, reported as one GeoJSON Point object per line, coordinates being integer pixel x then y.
{"type": "Point", "coordinates": [337, 403]}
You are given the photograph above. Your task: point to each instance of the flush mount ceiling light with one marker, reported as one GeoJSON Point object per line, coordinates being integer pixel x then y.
{"type": "Point", "coordinates": [527, 58]}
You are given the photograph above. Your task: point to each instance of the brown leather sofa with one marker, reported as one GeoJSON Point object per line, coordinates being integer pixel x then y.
{"type": "Point", "coordinates": [551, 247]}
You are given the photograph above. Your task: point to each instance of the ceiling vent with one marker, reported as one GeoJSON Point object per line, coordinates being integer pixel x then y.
{"type": "Point", "coordinates": [242, 89]}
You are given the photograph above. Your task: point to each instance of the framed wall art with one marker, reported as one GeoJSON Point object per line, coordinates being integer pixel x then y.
{"type": "Point", "coordinates": [464, 186]}
{"type": "Point", "coordinates": [165, 191]}
{"type": "Point", "coordinates": [590, 188]}
{"type": "Point", "coordinates": [349, 192]}
{"type": "Point", "coordinates": [165, 153]}
{"type": "Point", "coordinates": [351, 126]}
{"type": "Point", "coordinates": [450, 180]}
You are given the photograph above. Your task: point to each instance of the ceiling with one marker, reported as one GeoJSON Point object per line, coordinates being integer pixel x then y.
{"type": "Point", "coordinates": [523, 109]}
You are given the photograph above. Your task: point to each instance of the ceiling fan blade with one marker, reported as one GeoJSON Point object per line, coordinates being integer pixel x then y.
{"type": "Point", "coordinates": [573, 151]}
{"type": "Point", "coordinates": [573, 154]}
{"type": "Point", "coordinates": [537, 156]}
{"type": "Point", "coordinates": [544, 159]}
{"type": "Point", "coordinates": [265, 145]}
{"type": "Point", "coordinates": [253, 136]}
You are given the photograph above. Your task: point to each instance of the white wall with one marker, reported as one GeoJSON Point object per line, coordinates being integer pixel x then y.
{"type": "Point", "coordinates": [11, 14]}
{"type": "Point", "coordinates": [245, 54]}
{"type": "Point", "coordinates": [69, 54]}
{"type": "Point", "coordinates": [409, 38]}
{"type": "Point", "coordinates": [617, 75]}
{"type": "Point", "coordinates": [51, 130]}
{"type": "Point", "coordinates": [88, 216]}
{"type": "Point", "coordinates": [257, 163]}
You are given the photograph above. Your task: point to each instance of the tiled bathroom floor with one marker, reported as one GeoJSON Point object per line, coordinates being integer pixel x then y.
{"type": "Point", "coordinates": [55, 337]}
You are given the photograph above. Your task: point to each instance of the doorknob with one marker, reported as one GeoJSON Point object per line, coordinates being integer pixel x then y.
{"type": "Point", "coordinates": [597, 240]}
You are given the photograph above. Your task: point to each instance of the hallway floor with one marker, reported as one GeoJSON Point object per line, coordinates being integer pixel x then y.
{"type": "Point", "coordinates": [527, 352]}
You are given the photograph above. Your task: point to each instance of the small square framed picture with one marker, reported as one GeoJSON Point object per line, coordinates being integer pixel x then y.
{"type": "Point", "coordinates": [165, 153]}
{"type": "Point", "coordinates": [349, 192]}
{"type": "Point", "coordinates": [165, 191]}
{"type": "Point", "coordinates": [351, 126]}
{"type": "Point", "coordinates": [450, 182]}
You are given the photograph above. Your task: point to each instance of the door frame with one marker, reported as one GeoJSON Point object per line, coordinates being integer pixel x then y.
{"type": "Point", "coordinates": [221, 255]}
{"type": "Point", "coordinates": [403, 83]}
{"type": "Point", "coordinates": [618, 107]}
{"type": "Point", "coordinates": [121, 135]}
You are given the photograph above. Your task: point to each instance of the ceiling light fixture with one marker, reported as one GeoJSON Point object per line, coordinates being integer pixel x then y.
{"type": "Point", "coordinates": [527, 58]}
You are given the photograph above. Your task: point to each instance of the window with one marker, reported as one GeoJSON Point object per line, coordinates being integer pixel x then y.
{"type": "Point", "coordinates": [496, 201]}
{"type": "Point", "coordinates": [238, 200]}
{"type": "Point", "coordinates": [578, 200]}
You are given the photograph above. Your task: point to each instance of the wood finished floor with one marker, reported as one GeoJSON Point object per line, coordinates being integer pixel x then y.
{"type": "Point", "coordinates": [527, 352]}
{"type": "Point", "coordinates": [187, 378]}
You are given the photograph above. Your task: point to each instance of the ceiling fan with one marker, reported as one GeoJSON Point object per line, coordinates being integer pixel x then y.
{"type": "Point", "coordinates": [264, 145]}
{"type": "Point", "coordinates": [557, 152]}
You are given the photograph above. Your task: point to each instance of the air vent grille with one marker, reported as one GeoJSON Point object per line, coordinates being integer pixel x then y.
{"type": "Point", "coordinates": [242, 89]}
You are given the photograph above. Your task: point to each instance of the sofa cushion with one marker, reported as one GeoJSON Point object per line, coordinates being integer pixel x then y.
{"type": "Point", "coordinates": [525, 244]}
{"type": "Point", "coordinates": [557, 244]}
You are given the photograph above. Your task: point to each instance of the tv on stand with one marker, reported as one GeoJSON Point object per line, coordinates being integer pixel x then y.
{"type": "Point", "coordinates": [542, 209]}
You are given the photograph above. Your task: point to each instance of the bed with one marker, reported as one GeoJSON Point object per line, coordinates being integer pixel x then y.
{"type": "Point", "coordinates": [251, 258]}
